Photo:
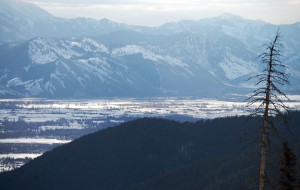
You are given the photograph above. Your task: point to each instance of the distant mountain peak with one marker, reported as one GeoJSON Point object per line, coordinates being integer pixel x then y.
{"type": "Point", "coordinates": [24, 10]}
{"type": "Point", "coordinates": [229, 16]}
{"type": "Point", "coordinates": [237, 18]}
{"type": "Point", "coordinates": [10, 1]}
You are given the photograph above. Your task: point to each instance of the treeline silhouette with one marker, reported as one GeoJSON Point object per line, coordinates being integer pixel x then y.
{"type": "Point", "coordinates": [153, 153]}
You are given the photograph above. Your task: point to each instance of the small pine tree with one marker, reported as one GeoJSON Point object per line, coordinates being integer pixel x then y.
{"type": "Point", "coordinates": [288, 171]}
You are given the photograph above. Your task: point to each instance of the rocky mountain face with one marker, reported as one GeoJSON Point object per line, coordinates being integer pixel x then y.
{"type": "Point", "coordinates": [45, 56]}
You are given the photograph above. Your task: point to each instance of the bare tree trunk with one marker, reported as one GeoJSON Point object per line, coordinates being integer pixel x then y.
{"type": "Point", "coordinates": [263, 157]}
{"type": "Point", "coordinates": [265, 137]}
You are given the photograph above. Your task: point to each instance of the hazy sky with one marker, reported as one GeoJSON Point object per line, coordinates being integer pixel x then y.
{"type": "Point", "coordinates": [156, 12]}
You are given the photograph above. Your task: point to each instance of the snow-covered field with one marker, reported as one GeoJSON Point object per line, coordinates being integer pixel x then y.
{"type": "Point", "coordinates": [29, 127]}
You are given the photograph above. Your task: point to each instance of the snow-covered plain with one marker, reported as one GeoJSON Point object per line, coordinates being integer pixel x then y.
{"type": "Point", "coordinates": [39, 110]}
{"type": "Point", "coordinates": [84, 116]}
{"type": "Point", "coordinates": [32, 141]}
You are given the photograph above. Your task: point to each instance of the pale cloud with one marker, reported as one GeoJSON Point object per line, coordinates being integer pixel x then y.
{"type": "Point", "coordinates": [156, 12]}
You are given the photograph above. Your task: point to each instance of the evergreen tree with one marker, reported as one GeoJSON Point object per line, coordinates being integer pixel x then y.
{"type": "Point", "coordinates": [288, 172]}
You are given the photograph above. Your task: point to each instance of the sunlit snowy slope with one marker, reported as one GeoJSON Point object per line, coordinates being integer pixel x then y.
{"type": "Point", "coordinates": [45, 56]}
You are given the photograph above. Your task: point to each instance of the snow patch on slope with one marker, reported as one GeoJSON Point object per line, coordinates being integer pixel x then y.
{"type": "Point", "coordinates": [92, 45]}
{"type": "Point", "coordinates": [88, 45]}
{"type": "Point", "coordinates": [135, 49]}
{"type": "Point", "coordinates": [234, 67]}
{"type": "Point", "coordinates": [97, 67]}
{"type": "Point", "coordinates": [35, 87]}
{"type": "Point", "coordinates": [16, 82]}
{"type": "Point", "coordinates": [42, 51]}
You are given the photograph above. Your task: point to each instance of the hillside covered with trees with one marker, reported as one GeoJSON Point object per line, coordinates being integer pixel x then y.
{"type": "Point", "coordinates": [157, 154]}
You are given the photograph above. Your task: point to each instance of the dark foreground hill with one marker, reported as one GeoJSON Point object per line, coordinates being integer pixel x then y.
{"type": "Point", "coordinates": [149, 154]}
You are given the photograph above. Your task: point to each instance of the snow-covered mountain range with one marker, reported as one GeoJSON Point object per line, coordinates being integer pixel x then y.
{"type": "Point", "coordinates": [45, 56]}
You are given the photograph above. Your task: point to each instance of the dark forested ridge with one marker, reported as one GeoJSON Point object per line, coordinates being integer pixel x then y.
{"type": "Point", "coordinates": [150, 154]}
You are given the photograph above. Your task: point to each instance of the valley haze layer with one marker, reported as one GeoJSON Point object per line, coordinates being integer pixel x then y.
{"type": "Point", "coordinates": [45, 56]}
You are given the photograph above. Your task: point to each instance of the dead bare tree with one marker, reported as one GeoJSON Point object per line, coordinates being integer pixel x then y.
{"type": "Point", "coordinates": [268, 99]}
